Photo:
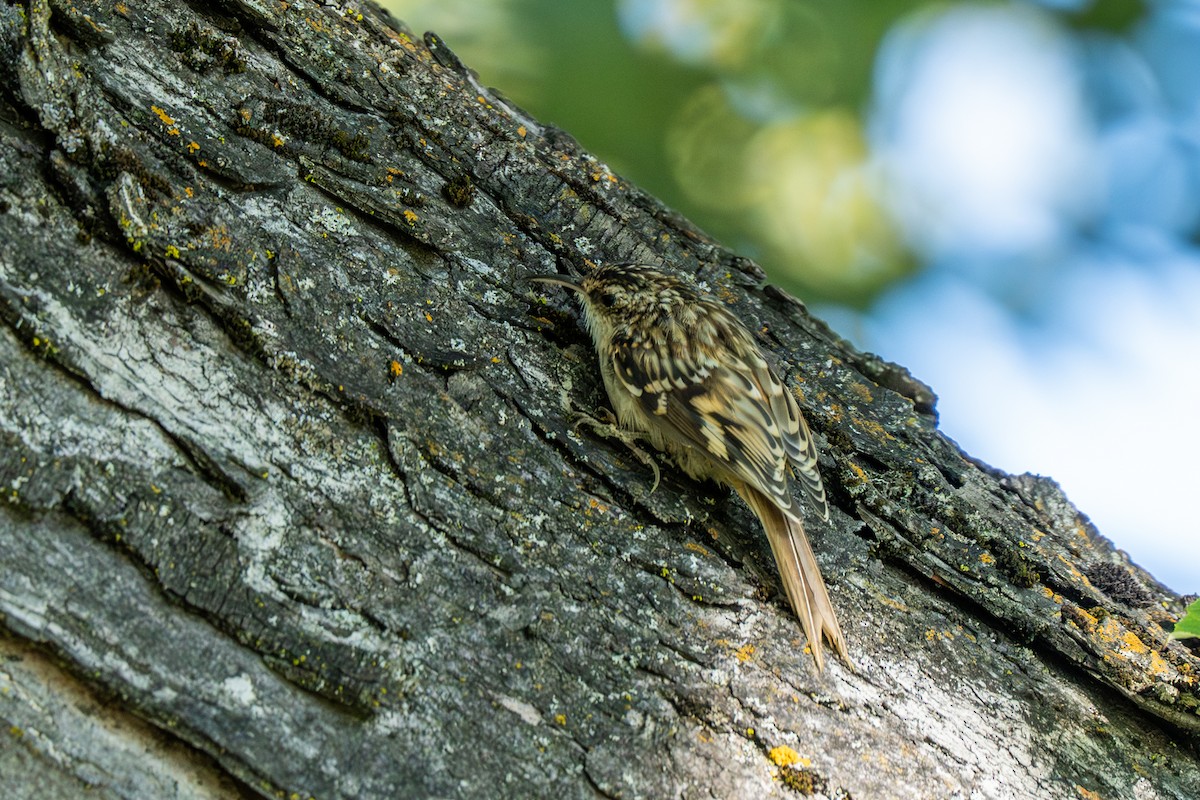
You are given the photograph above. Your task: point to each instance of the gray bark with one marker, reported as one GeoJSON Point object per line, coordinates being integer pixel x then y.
{"type": "Point", "coordinates": [293, 507]}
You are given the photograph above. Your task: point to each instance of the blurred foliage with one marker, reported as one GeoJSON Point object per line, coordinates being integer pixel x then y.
{"type": "Point", "coordinates": [1189, 626]}
{"type": "Point", "coordinates": [748, 116]}
{"type": "Point", "coordinates": [1116, 16]}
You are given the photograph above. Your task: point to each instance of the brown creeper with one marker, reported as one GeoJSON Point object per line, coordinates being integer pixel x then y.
{"type": "Point", "coordinates": [684, 372]}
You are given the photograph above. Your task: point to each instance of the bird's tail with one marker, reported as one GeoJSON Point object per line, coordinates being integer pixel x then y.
{"type": "Point", "coordinates": [801, 576]}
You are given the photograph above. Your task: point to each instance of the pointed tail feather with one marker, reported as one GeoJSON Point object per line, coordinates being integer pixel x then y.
{"type": "Point", "coordinates": [801, 576]}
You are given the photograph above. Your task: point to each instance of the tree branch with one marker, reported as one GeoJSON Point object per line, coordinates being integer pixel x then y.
{"type": "Point", "coordinates": [290, 484]}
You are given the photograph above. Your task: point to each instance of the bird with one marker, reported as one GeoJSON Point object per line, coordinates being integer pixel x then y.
{"type": "Point", "coordinates": [683, 373]}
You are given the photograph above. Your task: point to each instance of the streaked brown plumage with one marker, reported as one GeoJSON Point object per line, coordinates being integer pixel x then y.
{"type": "Point", "coordinates": [684, 372]}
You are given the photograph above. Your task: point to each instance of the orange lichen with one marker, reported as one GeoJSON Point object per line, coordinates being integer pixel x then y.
{"type": "Point", "coordinates": [1050, 595]}
{"type": "Point", "coordinates": [163, 115]}
{"type": "Point", "coordinates": [745, 653]}
{"type": "Point", "coordinates": [1075, 573]}
{"type": "Point", "coordinates": [894, 604]}
{"type": "Point", "coordinates": [219, 238]}
{"type": "Point", "coordinates": [166, 119]}
{"type": "Point", "coordinates": [873, 428]}
{"type": "Point", "coordinates": [863, 392]}
{"type": "Point", "coordinates": [1088, 620]}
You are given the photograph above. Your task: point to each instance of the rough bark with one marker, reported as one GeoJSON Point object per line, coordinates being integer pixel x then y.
{"type": "Point", "coordinates": [293, 506]}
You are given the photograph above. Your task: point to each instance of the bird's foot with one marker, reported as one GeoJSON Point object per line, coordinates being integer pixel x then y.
{"type": "Point", "coordinates": [608, 427]}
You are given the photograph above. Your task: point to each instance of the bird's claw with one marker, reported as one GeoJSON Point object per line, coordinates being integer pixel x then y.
{"type": "Point", "coordinates": [609, 428]}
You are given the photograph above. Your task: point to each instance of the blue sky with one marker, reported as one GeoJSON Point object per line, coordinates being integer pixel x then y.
{"type": "Point", "coordinates": [1048, 183]}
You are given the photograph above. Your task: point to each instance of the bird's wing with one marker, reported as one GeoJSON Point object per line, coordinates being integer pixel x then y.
{"type": "Point", "coordinates": [733, 407]}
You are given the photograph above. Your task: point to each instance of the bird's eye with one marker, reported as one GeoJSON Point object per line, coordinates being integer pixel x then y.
{"type": "Point", "coordinates": [608, 299]}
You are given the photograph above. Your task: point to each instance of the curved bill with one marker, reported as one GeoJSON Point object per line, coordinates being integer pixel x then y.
{"type": "Point", "coordinates": [557, 280]}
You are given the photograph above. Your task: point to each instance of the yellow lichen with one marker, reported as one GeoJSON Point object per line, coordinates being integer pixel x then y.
{"type": "Point", "coordinates": [1132, 641]}
{"type": "Point", "coordinates": [784, 756]}
{"type": "Point", "coordinates": [1159, 666]}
